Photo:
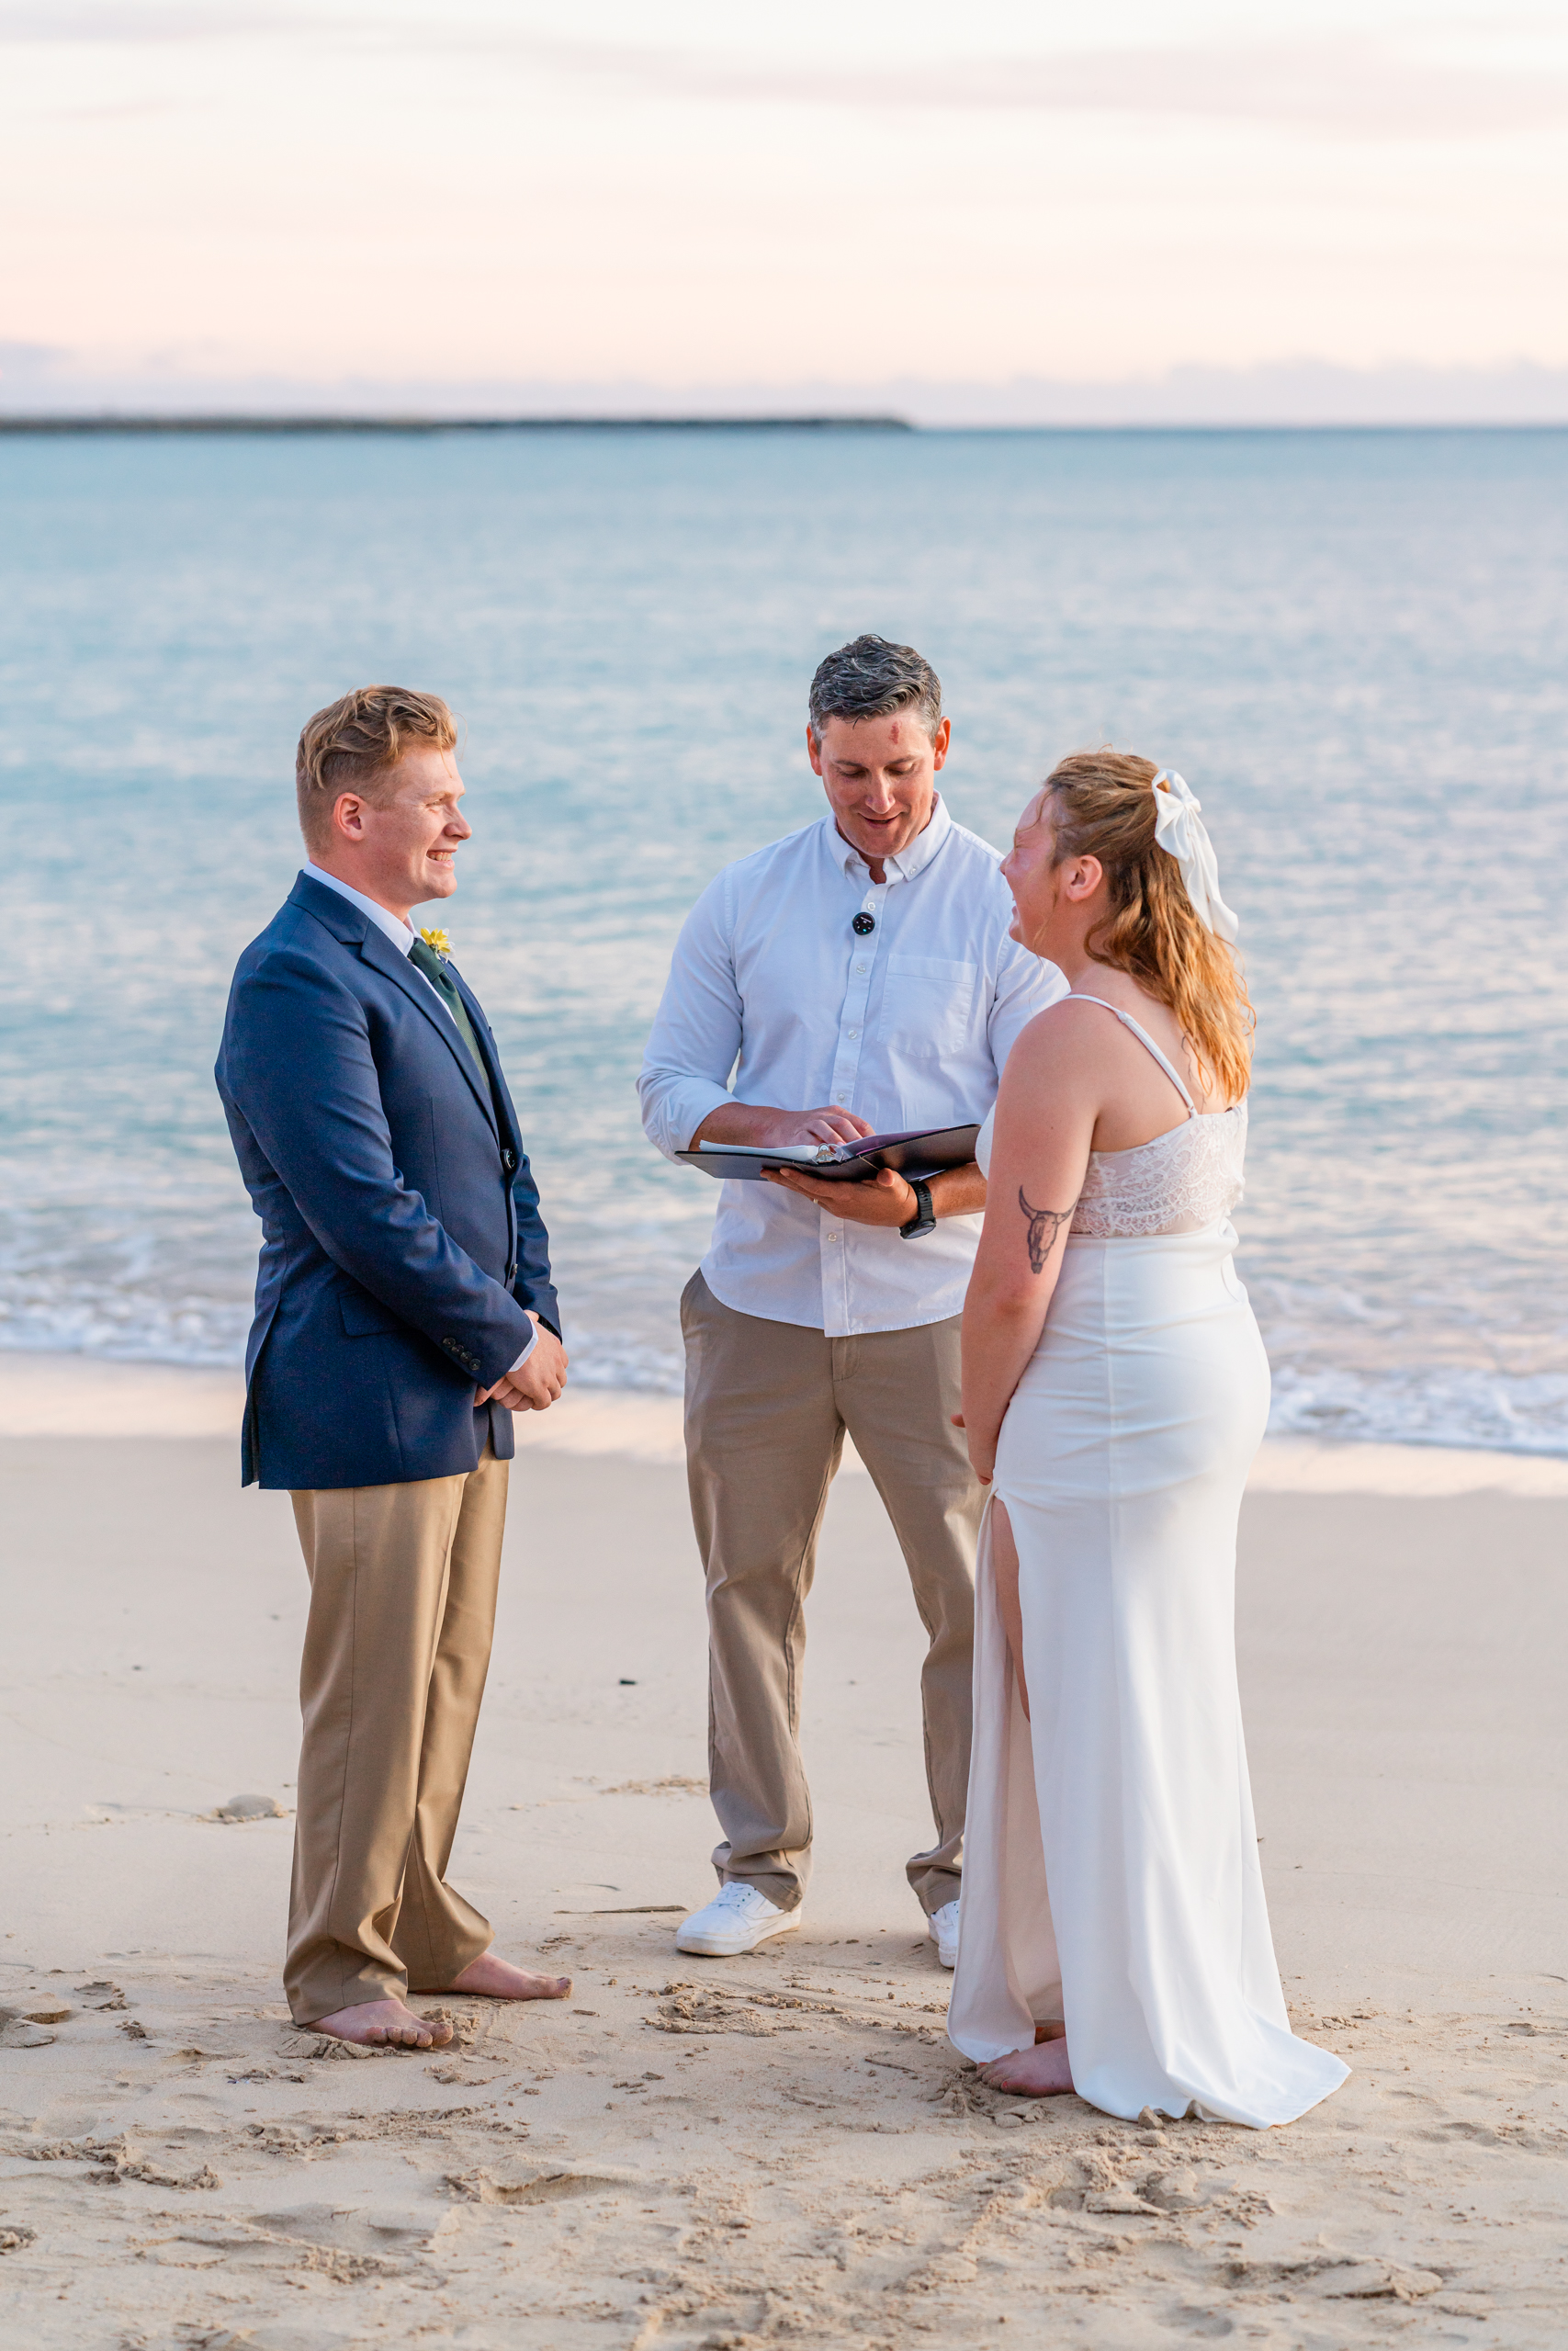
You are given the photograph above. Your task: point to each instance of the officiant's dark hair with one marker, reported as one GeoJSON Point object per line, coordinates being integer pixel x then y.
{"type": "Point", "coordinates": [869, 678]}
{"type": "Point", "coordinates": [1101, 805]}
{"type": "Point", "coordinates": [352, 743]}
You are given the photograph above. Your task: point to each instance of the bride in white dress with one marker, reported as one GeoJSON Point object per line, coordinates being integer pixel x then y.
{"type": "Point", "coordinates": [1114, 1937]}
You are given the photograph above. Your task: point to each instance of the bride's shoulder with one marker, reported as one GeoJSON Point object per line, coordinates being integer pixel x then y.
{"type": "Point", "coordinates": [1063, 1031]}
{"type": "Point", "coordinates": [1058, 1060]}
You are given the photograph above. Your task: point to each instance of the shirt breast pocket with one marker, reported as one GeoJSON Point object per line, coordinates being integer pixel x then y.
{"type": "Point", "coordinates": [928, 1006]}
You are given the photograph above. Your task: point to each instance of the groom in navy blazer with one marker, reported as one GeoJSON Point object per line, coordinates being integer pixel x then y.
{"type": "Point", "coordinates": [404, 1311]}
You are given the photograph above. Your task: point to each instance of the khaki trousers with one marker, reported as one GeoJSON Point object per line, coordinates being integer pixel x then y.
{"type": "Point", "coordinates": [397, 1645]}
{"type": "Point", "coordinates": [767, 1405]}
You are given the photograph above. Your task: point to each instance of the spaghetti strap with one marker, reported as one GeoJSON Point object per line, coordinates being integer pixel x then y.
{"type": "Point", "coordinates": [1143, 1038]}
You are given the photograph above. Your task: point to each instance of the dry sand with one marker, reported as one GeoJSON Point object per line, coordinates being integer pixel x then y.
{"type": "Point", "coordinates": [785, 2148]}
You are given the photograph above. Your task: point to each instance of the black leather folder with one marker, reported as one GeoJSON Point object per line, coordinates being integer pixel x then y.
{"type": "Point", "coordinates": [916, 1157]}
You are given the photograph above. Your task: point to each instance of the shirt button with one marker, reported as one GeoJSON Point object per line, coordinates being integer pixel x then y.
{"type": "Point", "coordinates": [860, 966]}
{"type": "Point", "coordinates": [851, 1031]}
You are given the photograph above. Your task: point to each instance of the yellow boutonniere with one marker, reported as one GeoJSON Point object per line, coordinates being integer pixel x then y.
{"type": "Point", "coordinates": [439, 941]}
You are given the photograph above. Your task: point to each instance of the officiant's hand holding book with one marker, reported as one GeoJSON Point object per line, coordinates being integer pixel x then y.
{"type": "Point", "coordinates": [917, 1155]}
{"type": "Point", "coordinates": [831, 1157]}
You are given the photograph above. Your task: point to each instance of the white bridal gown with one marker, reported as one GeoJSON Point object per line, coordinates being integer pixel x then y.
{"type": "Point", "coordinates": [1111, 1872]}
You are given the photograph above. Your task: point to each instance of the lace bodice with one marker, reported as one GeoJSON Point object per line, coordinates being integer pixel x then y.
{"type": "Point", "coordinates": [1181, 1182]}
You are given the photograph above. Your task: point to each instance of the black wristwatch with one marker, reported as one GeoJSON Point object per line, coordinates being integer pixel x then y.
{"type": "Point", "coordinates": [924, 1218]}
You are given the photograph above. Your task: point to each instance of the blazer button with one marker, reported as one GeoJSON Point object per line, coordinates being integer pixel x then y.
{"type": "Point", "coordinates": [509, 1160]}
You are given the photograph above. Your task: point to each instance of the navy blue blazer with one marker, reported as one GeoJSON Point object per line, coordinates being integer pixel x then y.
{"type": "Point", "coordinates": [401, 1235]}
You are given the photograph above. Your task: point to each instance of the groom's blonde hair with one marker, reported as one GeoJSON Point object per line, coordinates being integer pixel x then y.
{"type": "Point", "coordinates": [1101, 805]}
{"type": "Point", "coordinates": [354, 744]}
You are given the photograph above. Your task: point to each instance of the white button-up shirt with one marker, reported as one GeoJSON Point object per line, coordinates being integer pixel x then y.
{"type": "Point", "coordinates": [907, 1026]}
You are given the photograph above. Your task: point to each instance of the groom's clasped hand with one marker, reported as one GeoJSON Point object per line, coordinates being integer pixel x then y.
{"type": "Point", "coordinates": [540, 1383]}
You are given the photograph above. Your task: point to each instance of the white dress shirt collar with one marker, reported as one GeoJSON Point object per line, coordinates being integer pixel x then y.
{"type": "Point", "coordinates": [400, 931]}
{"type": "Point", "coordinates": [907, 862]}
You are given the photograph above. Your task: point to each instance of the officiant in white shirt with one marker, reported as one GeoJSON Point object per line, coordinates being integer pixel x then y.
{"type": "Point", "coordinates": [858, 979]}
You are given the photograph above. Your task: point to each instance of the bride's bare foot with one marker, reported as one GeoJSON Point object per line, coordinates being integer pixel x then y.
{"type": "Point", "coordinates": [1041, 2072]}
{"type": "Point", "coordinates": [382, 2024]}
{"type": "Point", "coordinates": [497, 1979]}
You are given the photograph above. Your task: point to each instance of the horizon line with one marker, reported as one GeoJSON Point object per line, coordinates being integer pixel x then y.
{"type": "Point", "coordinates": [330, 421]}
{"type": "Point", "coordinates": [65, 421]}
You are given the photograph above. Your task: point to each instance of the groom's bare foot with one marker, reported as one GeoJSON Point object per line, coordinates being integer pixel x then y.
{"type": "Point", "coordinates": [382, 2024]}
{"type": "Point", "coordinates": [497, 1979]}
{"type": "Point", "coordinates": [1041, 2072]}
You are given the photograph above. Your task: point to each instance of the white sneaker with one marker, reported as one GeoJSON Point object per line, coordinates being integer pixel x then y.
{"type": "Point", "coordinates": [942, 1927]}
{"type": "Point", "coordinates": [736, 1919]}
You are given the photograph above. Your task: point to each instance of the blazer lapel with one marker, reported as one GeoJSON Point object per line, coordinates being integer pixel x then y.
{"type": "Point", "coordinates": [346, 922]}
{"type": "Point", "coordinates": [511, 1134]}
{"type": "Point", "coordinates": [377, 949]}
{"type": "Point", "coordinates": [500, 1093]}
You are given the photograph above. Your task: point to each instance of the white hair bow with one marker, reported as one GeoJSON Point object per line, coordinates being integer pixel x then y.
{"type": "Point", "coordinates": [1179, 829]}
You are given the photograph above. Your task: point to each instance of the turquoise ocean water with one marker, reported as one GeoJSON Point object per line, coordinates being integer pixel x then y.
{"type": "Point", "coordinates": [1350, 644]}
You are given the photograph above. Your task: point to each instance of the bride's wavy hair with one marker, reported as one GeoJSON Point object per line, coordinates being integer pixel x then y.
{"type": "Point", "coordinates": [1100, 806]}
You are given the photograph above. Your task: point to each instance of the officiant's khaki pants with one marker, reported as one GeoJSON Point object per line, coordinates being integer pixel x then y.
{"type": "Point", "coordinates": [767, 1407]}
{"type": "Point", "coordinates": [397, 1645]}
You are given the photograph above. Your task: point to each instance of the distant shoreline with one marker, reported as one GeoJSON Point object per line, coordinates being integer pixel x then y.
{"type": "Point", "coordinates": [56, 425]}
{"type": "Point", "coordinates": [113, 423]}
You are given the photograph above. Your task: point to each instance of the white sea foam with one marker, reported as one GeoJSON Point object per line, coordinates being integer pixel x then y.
{"type": "Point", "coordinates": [1446, 1404]}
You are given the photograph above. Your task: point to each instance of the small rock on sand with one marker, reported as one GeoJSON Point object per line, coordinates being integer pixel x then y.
{"type": "Point", "coordinates": [251, 1808]}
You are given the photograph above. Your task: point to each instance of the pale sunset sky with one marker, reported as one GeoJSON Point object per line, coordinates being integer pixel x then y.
{"type": "Point", "coordinates": [846, 198]}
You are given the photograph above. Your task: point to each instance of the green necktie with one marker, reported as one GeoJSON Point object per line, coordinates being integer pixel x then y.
{"type": "Point", "coordinates": [425, 958]}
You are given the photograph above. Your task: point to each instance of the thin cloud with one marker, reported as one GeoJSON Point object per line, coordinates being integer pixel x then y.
{"type": "Point", "coordinates": [135, 26]}
{"type": "Point", "coordinates": [123, 110]}
{"type": "Point", "coordinates": [1350, 86]}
